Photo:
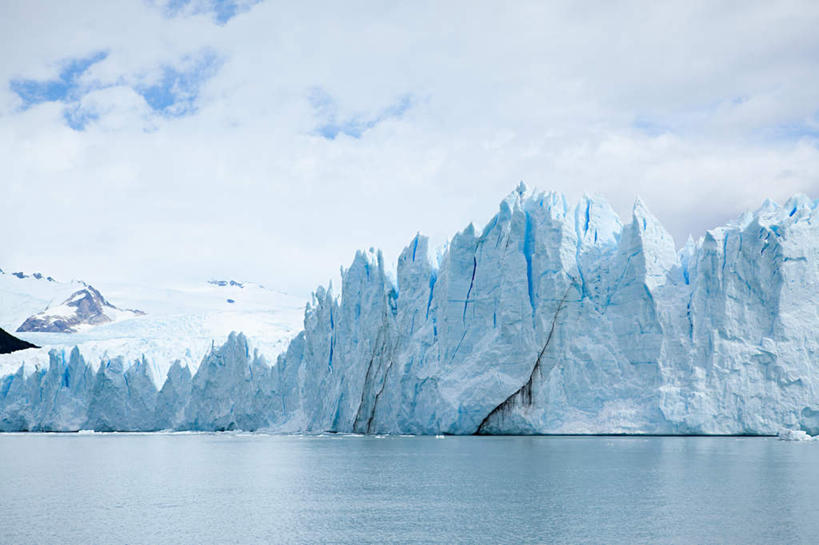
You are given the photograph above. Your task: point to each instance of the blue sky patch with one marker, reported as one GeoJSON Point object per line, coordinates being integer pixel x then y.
{"type": "Point", "coordinates": [176, 91]}
{"type": "Point", "coordinates": [78, 117]}
{"type": "Point", "coordinates": [62, 89]}
{"type": "Point", "coordinates": [222, 11]}
{"type": "Point", "coordinates": [173, 94]}
{"type": "Point", "coordinates": [331, 125]}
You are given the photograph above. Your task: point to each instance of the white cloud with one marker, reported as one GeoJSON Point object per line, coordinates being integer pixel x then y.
{"type": "Point", "coordinates": [703, 110]}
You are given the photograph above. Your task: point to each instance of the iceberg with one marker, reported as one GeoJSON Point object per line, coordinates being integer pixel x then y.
{"type": "Point", "coordinates": [553, 319]}
{"type": "Point", "coordinates": [795, 435]}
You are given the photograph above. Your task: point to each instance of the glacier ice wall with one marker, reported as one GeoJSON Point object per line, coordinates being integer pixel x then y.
{"type": "Point", "coordinates": [553, 319]}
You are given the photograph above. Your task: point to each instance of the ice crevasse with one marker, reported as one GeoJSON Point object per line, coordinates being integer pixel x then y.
{"type": "Point", "coordinates": [553, 319]}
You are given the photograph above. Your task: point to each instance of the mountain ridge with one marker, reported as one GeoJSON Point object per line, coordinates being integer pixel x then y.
{"type": "Point", "coordinates": [83, 308]}
{"type": "Point", "coordinates": [9, 343]}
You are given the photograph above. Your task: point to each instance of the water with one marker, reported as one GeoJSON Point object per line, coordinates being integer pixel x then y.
{"type": "Point", "coordinates": [242, 488]}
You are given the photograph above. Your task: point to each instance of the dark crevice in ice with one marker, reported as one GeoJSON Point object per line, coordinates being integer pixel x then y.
{"type": "Point", "coordinates": [523, 396]}
{"type": "Point", "coordinates": [471, 284]}
{"type": "Point", "coordinates": [365, 414]}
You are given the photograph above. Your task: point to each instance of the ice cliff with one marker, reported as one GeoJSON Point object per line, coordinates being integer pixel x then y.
{"type": "Point", "coordinates": [553, 319]}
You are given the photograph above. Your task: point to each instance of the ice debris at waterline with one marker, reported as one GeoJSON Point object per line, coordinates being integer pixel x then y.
{"type": "Point", "coordinates": [554, 319]}
{"type": "Point", "coordinates": [795, 435]}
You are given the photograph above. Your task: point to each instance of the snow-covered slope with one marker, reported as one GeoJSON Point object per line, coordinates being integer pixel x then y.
{"type": "Point", "coordinates": [23, 295]}
{"type": "Point", "coordinates": [83, 310]}
{"type": "Point", "coordinates": [553, 319]}
{"type": "Point", "coordinates": [180, 323]}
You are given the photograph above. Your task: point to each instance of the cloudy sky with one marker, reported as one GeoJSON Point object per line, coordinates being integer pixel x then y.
{"type": "Point", "coordinates": [151, 141]}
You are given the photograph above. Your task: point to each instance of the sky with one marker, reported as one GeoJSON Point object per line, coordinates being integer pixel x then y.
{"type": "Point", "coordinates": [178, 141]}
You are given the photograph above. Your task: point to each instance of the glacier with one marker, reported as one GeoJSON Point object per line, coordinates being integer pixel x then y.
{"type": "Point", "coordinates": [180, 324]}
{"type": "Point", "coordinates": [554, 319]}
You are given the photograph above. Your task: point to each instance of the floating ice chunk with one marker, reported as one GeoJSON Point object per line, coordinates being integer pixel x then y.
{"type": "Point", "coordinates": [795, 435]}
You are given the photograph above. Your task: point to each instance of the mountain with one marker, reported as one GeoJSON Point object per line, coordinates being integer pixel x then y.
{"type": "Point", "coordinates": [552, 319]}
{"type": "Point", "coordinates": [9, 343]}
{"type": "Point", "coordinates": [22, 295]}
{"type": "Point", "coordinates": [181, 322]}
{"type": "Point", "coordinates": [84, 308]}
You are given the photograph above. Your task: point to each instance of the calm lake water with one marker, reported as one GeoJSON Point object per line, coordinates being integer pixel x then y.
{"type": "Point", "coordinates": [241, 488]}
